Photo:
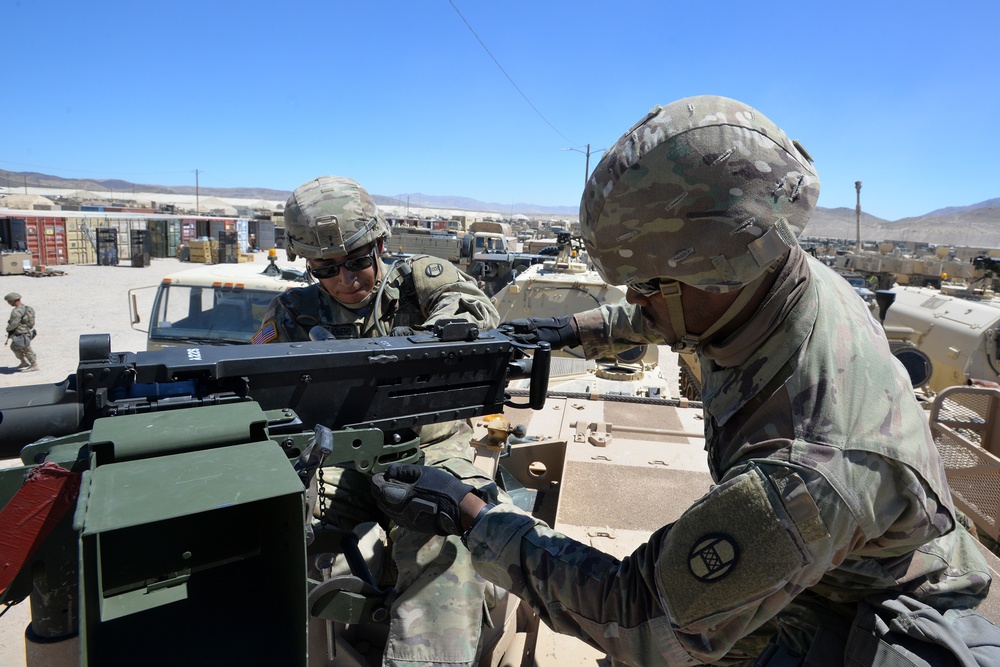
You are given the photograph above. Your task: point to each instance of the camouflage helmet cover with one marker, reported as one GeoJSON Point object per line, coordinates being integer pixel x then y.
{"type": "Point", "coordinates": [330, 216]}
{"type": "Point", "coordinates": [706, 191]}
{"type": "Point", "coordinates": [12, 297]}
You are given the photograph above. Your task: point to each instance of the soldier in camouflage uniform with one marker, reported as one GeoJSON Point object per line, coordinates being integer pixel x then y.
{"type": "Point", "coordinates": [20, 331]}
{"type": "Point", "coordinates": [335, 224]}
{"type": "Point", "coordinates": [830, 537]}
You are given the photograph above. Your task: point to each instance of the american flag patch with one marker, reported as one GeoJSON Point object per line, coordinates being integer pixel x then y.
{"type": "Point", "coordinates": [266, 334]}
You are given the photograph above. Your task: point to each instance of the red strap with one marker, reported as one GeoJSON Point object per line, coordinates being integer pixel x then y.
{"type": "Point", "coordinates": [47, 494]}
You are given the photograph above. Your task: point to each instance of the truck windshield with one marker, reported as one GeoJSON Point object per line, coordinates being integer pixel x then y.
{"type": "Point", "coordinates": [489, 244]}
{"type": "Point", "coordinates": [213, 315]}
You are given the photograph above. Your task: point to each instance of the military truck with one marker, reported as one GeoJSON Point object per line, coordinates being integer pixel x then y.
{"type": "Point", "coordinates": [219, 304]}
{"type": "Point", "coordinates": [459, 250]}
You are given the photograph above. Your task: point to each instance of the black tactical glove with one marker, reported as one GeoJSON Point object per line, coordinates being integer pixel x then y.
{"type": "Point", "coordinates": [421, 498]}
{"type": "Point", "coordinates": [401, 331]}
{"type": "Point", "coordinates": [556, 331]}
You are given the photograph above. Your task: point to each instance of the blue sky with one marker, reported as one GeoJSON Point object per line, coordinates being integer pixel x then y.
{"type": "Point", "coordinates": [401, 96]}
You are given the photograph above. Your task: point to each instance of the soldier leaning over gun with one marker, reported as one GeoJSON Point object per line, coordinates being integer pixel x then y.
{"type": "Point", "coordinates": [20, 331]}
{"type": "Point", "coordinates": [334, 223]}
{"type": "Point", "coordinates": [830, 538]}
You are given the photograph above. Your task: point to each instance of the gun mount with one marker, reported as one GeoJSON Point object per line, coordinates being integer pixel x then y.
{"type": "Point", "coordinates": [186, 469]}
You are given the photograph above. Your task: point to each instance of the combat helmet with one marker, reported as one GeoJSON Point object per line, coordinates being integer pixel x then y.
{"type": "Point", "coordinates": [705, 191]}
{"type": "Point", "coordinates": [330, 216]}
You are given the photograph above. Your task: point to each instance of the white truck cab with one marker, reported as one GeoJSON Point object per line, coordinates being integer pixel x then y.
{"type": "Point", "coordinates": [220, 304]}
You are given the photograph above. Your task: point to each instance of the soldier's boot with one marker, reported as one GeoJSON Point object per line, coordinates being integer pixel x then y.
{"type": "Point", "coordinates": [29, 369]}
{"type": "Point", "coordinates": [23, 364]}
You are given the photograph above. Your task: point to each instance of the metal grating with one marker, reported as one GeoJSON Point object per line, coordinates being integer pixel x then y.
{"type": "Point", "coordinates": [962, 422]}
{"type": "Point", "coordinates": [966, 413]}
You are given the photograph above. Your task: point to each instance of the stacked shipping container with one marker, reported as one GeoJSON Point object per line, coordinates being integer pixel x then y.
{"type": "Point", "coordinates": [71, 237]}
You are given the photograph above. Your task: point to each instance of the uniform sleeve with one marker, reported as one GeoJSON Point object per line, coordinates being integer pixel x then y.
{"type": "Point", "coordinates": [15, 320]}
{"type": "Point", "coordinates": [613, 328]}
{"type": "Point", "coordinates": [445, 292]}
{"type": "Point", "coordinates": [688, 595]}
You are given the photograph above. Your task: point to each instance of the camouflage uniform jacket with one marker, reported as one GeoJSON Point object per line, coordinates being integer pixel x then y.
{"type": "Point", "coordinates": [829, 490]}
{"type": "Point", "coordinates": [418, 292]}
{"type": "Point", "coordinates": [22, 321]}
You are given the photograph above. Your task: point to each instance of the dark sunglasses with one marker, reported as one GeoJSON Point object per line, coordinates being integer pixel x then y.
{"type": "Point", "coordinates": [353, 265]}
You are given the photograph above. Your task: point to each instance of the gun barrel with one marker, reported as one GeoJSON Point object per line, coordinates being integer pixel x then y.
{"type": "Point", "coordinates": [33, 412]}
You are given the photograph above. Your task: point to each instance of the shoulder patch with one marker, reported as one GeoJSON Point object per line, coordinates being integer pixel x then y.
{"type": "Point", "coordinates": [733, 547]}
{"type": "Point", "coordinates": [267, 333]}
{"type": "Point", "coordinates": [433, 270]}
{"type": "Point", "coordinates": [713, 556]}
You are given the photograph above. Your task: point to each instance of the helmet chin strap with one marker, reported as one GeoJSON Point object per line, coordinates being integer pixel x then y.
{"type": "Point", "coordinates": [671, 292]}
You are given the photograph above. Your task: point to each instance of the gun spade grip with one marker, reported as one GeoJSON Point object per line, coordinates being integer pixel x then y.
{"type": "Point", "coordinates": [541, 360]}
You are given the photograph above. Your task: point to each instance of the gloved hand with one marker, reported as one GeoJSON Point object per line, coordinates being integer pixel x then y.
{"type": "Point", "coordinates": [556, 331]}
{"type": "Point", "coordinates": [401, 331]}
{"type": "Point", "coordinates": [421, 498]}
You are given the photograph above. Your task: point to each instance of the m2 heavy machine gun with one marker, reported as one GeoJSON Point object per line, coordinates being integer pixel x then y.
{"type": "Point", "coordinates": [160, 514]}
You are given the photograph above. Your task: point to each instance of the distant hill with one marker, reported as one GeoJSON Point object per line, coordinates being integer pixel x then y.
{"type": "Point", "coordinates": [15, 179]}
{"type": "Point", "coordinates": [975, 225]}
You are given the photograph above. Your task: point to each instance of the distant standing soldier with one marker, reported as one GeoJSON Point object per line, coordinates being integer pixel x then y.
{"type": "Point", "coordinates": [20, 331]}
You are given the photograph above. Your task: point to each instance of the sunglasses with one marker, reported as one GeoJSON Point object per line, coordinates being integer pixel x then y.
{"type": "Point", "coordinates": [353, 265]}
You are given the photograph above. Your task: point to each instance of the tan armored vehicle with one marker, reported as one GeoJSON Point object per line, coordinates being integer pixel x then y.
{"type": "Point", "coordinates": [960, 336]}
{"type": "Point", "coordinates": [565, 285]}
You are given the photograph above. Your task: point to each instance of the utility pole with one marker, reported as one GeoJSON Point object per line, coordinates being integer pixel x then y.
{"type": "Point", "coordinates": [857, 213]}
{"type": "Point", "coordinates": [586, 166]}
{"type": "Point", "coordinates": [197, 200]}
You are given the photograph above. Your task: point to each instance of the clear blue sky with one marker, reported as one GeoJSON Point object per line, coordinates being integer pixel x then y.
{"type": "Point", "coordinates": [904, 96]}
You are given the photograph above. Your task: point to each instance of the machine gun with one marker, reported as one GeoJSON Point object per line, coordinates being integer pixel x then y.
{"type": "Point", "coordinates": [191, 465]}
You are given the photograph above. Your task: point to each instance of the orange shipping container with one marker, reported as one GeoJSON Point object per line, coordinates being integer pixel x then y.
{"type": "Point", "coordinates": [47, 241]}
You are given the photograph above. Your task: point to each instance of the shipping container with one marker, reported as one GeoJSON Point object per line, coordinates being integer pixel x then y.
{"type": "Point", "coordinates": [47, 240]}
{"type": "Point", "coordinates": [263, 231]}
{"type": "Point", "coordinates": [164, 237]}
{"type": "Point", "coordinates": [189, 230]}
{"type": "Point", "coordinates": [81, 241]}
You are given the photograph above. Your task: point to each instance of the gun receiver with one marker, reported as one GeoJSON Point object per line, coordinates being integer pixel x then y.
{"type": "Point", "coordinates": [385, 383]}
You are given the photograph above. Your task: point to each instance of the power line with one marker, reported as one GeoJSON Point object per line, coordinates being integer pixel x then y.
{"type": "Point", "coordinates": [540, 115]}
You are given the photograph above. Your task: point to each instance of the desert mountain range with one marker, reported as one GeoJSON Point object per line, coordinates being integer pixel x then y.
{"type": "Point", "coordinates": [975, 225]}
